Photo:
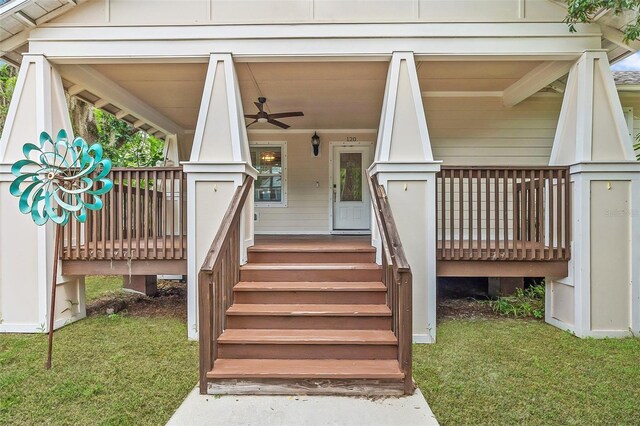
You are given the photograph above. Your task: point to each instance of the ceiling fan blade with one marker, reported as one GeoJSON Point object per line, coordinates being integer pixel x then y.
{"type": "Point", "coordinates": [253, 122]}
{"type": "Point", "coordinates": [278, 123]}
{"type": "Point", "coordinates": [287, 114]}
{"type": "Point", "coordinates": [259, 105]}
{"type": "Point", "coordinates": [254, 116]}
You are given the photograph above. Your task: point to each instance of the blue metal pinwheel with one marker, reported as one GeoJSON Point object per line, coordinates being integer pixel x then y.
{"type": "Point", "coordinates": [56, 180]}
{"type": "Point", "coordinates": [61, 178]}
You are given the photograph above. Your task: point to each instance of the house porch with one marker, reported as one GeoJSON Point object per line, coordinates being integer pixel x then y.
{"type": "Point", "coordinates": [439, 129]}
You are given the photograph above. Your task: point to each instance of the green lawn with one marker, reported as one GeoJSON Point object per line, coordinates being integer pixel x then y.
{"type": "Point", "coordinates": [132, 369]}
{"type": "Point", "coordinates": [108, 370]}
{"type": "Point", "coordinates": [507, 371]}
{"type": "Point", "coordinates": [99, 286]}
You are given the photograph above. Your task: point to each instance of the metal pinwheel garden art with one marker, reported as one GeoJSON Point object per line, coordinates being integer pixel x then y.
{"type": "Point", "coordinates": [58, 179]}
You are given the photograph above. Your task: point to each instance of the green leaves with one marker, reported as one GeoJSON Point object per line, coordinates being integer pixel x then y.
{"type": "Point", "coordinates": [585, 11]}
{"type": "Point", "coordinates": [8, 78]}
{"type": "Point", "coordinates": [125, 145]}
{"type": "Point", "coordinates": [525, 303]}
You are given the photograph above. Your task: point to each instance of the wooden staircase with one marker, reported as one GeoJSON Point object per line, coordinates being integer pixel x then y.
{"type": "Point", "coordinates": [310, 320]}
{"type": "Point", "coordinates": [305, 317]}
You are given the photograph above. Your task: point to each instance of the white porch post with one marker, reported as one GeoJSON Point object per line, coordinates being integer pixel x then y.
{"type": "Point", "coordinates": [26, 250]}
{"type": "Point", "coordinates": [218, 165]}
{"type": "Point", "coordinates": [601, 295]}
{"type": "Point", "coordinates": [404, 165]}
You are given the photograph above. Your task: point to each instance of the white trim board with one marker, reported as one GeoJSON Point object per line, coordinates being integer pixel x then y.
{"type": "Point", "coordinates": [268, 41]}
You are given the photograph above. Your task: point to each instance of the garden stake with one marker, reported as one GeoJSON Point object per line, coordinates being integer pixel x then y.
{"type": "Point", "coordinates": [54, 283]}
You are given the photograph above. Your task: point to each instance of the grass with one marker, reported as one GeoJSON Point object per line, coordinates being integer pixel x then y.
{"type": "Point", "coordinates": [515, 371]}
{"type": "Point", "coordinates": [527, 302]}
{"type": "Point", "coordinates": [122, 369]}
{"type": "Point", "coordinates": [100, 286]}
{"type": "Point", "coordinates": [107, 370]}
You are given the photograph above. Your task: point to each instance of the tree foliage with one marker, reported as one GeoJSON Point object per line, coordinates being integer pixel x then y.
{"type": "Point", "coordinates": [584, 11]}
{"type": "Point", "coordinates": [8, 78]}
{"type": "Point", "coordinates": [125, 145]}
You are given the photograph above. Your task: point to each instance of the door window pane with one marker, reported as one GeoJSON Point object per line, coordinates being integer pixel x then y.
{"type": "Point", "coordinates": [350, 176]}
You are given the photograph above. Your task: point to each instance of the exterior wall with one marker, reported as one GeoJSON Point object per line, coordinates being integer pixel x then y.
{"type": "Point", "coordinates": [463, 131]}
{"type": "Point", "coordinates": [559, 302]}
{"type": "Point", "coordinates": [309, 201]}
{"type": "Point", "coordinates": [482, 131]}
{"type": "Point", "coordinates": [146, 12]}
{"type": "Point", "coordinates": [610, 255]}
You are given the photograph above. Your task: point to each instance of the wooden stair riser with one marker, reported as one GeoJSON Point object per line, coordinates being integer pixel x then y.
{"type": "Point", "coordinates": [310, 274]}
{"type": "Point", "coordinates": [309, 322]}
{"type": "Point", "coordinates": [313, 386]}
{"type": "Point", "coordinates": [293, 297]}
{"type": "Point", "coordinates": [311, 257]}
{"type": "Point", "coordinates": [306, 351]}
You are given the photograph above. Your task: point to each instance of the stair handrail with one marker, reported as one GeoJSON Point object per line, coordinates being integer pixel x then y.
{"type": "Point", "coordinates": [219, 272]}
{"type": "Point", "coordinates": [397, 277]}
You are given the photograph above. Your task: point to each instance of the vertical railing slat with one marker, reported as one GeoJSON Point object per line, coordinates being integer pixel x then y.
{"type": "Point", "coordinates": [496, 213]}
{"type": "Point", "coordinates": [470, 214]}
{"type": "Point", "coordinates": [505, 213]}
{"type": "Point", "coordinates": [460, 214]}
{"type": "Point", "coordinates": [154, 215]}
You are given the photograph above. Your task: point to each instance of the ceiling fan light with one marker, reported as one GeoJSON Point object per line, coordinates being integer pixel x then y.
{"type": "Point", "coordinates": [262, 120]}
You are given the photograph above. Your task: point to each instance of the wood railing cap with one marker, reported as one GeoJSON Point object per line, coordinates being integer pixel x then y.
{"type": "Point", "coordinates": [230, 217]}
{"type": "Point", "coordinates": [146, 169]}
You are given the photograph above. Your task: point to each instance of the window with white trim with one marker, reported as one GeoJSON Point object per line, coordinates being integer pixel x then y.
{"type": "Point", "coordinates": [270, 160]}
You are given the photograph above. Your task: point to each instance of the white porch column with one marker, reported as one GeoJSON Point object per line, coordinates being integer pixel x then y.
{"type": "Point", "coordinates": [170, 151]}
{"type": "Point", "coordinates": [404, 166]}
{"type": "Point", "coordinates": [601, 295]}
{"type": "Point", "coordinates": [218, 165]}
{"type": "Point", "coordinates": [26, 250]}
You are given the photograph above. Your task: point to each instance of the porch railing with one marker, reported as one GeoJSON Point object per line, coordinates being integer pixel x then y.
{"type": "Point", "coordinates": [143, 218]}
{"type": "Point", "coordinates": [397, 277]}
{"type": "Point", "coordinates": [219, 273]}
{"type": "Point", "coordinates": [504, 213]}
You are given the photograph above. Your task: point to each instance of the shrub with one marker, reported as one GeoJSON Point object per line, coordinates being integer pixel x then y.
{"type": "Point", "coordinates": [525, 303]}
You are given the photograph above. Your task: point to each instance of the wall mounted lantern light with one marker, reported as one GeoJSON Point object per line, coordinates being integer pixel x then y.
{"type": "Point", "coordinates": [315, 142]}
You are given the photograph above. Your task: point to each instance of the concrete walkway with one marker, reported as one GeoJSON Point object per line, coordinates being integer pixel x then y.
{"type": "Point", "coordinates": [302, 411]}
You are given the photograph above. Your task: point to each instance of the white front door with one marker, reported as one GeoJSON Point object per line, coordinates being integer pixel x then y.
{"type": "Point", "coordinates": [351, 199]}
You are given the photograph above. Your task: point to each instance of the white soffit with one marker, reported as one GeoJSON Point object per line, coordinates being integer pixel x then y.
{"type": "Point", "coordinates": [19, 17]}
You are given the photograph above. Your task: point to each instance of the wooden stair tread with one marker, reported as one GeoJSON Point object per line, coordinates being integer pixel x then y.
{"type": "Point", "coordinates": [305, 369]}
{"type": "Point", "coordinates": [309, 286]}
{"type": "Point", "coordinates": [309, 310]}
{"type": "Point", "coordinates": [315, 266]}
{"type": "Point", "coordinates": [307, 337]}
{"type": "Point", "coordinates": [291, 248]}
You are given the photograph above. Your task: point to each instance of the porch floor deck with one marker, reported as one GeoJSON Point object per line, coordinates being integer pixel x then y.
{"type": "Point", "coordinates": [472, 258]}
{"type": "Point", "coordinates": [312, 242]}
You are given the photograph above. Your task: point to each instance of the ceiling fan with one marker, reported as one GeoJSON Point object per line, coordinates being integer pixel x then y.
{"type": "Point", "coordinates": [264, 117]}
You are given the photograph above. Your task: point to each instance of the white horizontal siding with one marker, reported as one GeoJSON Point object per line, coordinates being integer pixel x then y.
{"type": "Point", "coordinates": [481, 131]}
{"type": "Point", "coordinates": [308, 197]}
